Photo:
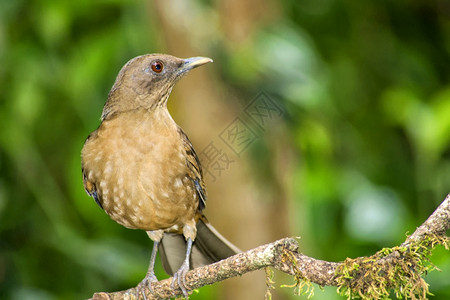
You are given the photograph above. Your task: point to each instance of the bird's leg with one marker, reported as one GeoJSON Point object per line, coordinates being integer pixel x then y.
{"type": "Point", "coordinates": [151, 267]}
{"type": "Point", "coordinates": [150, 277]}
{"type": "Point", "coordinates": [180, 275]}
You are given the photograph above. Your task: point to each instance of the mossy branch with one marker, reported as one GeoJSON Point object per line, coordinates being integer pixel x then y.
{"type": "Point", "coordinates": [398, 269]}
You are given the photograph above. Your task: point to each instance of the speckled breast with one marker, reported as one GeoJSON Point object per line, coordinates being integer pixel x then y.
{"type": "Point", "coordinates": [139, 171]}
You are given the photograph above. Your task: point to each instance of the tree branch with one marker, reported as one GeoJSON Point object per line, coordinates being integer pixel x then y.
{"type": "Point", "coordinates": [361, 275]}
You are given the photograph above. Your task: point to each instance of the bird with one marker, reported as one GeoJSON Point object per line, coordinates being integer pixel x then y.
{"type": "Point", "coordinates": [142, 170]}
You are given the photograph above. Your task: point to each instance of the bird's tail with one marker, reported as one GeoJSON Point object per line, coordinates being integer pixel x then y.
{"type": "Point", "coordinates": [209, 247]}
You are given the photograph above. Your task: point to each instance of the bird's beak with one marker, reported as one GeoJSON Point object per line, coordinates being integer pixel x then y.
{"type": "Point", "coordinates": [194, 62]}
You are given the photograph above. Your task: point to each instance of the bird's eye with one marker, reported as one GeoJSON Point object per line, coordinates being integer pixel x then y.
{"type": "Point", "coordinates": [157, 66]}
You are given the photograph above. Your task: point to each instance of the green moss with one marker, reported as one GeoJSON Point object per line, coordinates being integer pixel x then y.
{"type": "Point", "coordinates": [269, 283]}
{"type": "Point", "coordinates": [397, 269]}
{"type": "Point", "coordinates": [301, 285]}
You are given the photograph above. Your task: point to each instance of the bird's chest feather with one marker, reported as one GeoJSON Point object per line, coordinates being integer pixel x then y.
{"type": "Point", "coordinates": [138, 166]}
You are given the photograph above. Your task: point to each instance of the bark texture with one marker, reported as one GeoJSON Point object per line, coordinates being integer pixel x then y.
{"type": "Point", "coordinates": [283, 255]}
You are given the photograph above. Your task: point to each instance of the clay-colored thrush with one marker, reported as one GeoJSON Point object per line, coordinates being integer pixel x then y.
{"type": "Point", "coordinates": [141, 168]}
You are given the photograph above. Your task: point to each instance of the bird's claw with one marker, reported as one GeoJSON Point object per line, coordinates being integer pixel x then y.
{"type": "Point", "coordinates": [180, 278]}
{"type": "Point", "coordinates": [145, 283]}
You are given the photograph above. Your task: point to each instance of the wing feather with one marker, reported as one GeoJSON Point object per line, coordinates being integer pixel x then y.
{"type": "Point", "coordinates": [195, 169]}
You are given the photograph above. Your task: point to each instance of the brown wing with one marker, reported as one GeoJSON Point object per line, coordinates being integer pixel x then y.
{"type": "Point", "coordinates": [89, 186]}
{"type": "Point", "coordinates": [90, 189]}
{"type": "Point", "coordinates": [195, 169]}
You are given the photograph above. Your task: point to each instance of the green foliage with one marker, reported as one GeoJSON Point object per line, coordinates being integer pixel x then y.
{"type": "Point", "coordinates": [365, 90]}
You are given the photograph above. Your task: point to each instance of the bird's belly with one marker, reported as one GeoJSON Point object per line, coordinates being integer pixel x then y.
{"type": "Point", "coordinates": [148, 198]}
{"type": "Point", "coordinates": [148, 204]}
{"type": "Point", "coordinates": [145, 215]}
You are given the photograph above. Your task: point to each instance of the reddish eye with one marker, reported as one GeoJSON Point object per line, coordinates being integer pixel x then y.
{"type": "Point", "coordinates": [157, 66]}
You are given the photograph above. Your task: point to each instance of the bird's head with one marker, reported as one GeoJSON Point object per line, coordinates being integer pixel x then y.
{"type": "Point", "coordinates": [146, 81]}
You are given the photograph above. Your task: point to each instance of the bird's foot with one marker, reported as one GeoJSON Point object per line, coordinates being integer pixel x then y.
{"type": "Point", "coordinates": [144, 284]}
{"type": "Point", "coordinates": [180, 278]}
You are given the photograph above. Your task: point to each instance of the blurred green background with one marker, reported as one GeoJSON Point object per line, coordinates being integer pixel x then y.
{"type": "Point", "coordinates": [358, 156]}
